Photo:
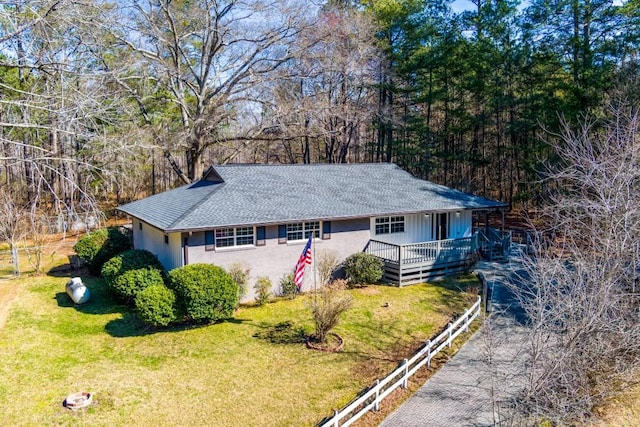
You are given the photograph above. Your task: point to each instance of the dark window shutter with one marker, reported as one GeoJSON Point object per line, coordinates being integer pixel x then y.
{"type": "Point", "coordinates": [282, 234]}
{"type": "Point", "coordinates": [260, 236]}
{"type": "Point", "coordinates": [209, 240]}
{"type": "Point", "coordinates": [326, 230]}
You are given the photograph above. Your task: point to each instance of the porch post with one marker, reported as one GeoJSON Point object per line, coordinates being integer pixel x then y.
{"type": "Point", "coordinates": [486, 221]}
{"type": "Point", "coordinates": [502, 225]}
{"type": "Point", "coordinates": [185, 260]}
{"type": "Point", "coordinates": [399, 265]}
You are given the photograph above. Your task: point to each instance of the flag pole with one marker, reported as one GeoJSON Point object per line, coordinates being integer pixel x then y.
{"type": "Point", "coordinates": [313, 249]}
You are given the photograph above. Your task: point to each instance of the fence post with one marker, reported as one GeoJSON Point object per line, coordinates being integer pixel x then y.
{"type": "Point", "coordinates": [376, 403]}
{"type": "Point", "coordinates": [449, 329]}
{"type": "Point", "coordinates": [405, 382]}
{"type": "Point", "coordinates": [428, 353]}
{"type": "Point", "coordinates": [466, 321]}
{"type": "Point", "coordinates": [336, 422]}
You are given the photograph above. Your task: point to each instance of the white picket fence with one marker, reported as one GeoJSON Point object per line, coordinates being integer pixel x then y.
{"type": "Point", "coordinates": [371, 398]}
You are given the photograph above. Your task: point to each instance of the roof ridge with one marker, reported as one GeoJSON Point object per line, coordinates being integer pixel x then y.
{"type": "Point", "coordinates": [306, 164]}
{"type": "Point", "coordinates": [215, 188]}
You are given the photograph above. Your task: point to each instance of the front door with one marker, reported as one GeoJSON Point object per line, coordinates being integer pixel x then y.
{"type": "Point", "coordinates": [441, 226]}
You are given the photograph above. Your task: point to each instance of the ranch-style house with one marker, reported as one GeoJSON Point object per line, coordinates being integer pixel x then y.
{"type": "Point", "coordinates": [262, 216]}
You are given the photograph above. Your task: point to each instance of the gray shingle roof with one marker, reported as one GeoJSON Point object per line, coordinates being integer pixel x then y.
{"type": "Point", "coordinates": [267, 194]}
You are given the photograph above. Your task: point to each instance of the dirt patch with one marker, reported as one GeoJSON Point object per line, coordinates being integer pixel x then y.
{"type": "Point", "coordinates": [8, 293]}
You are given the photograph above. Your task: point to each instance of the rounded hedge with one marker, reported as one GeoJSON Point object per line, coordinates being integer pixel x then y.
{"type": "Point", "coordinates": [362, 268]}
{"type": "Point", "coordinates": [155, 305]}
{"type": "Point", "coordinates": [128, 284]}
{"type": "Point", "coordinates": [100, 245]}
{"type": "Point", "coordinates": [205, 292]}
{"type": "Point", "coordinates": [133, 259]}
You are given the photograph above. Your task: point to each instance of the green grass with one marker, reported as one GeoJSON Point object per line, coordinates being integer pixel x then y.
{"type": "Point", "coordinates": [251, 370]}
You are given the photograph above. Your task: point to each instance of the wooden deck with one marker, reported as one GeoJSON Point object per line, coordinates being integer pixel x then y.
{"type": "Point", "coordinates": [417, 262]}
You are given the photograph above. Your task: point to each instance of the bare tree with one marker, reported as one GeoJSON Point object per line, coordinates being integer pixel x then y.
{"type": "Point", "coordinates": [205, 62]}
{"type": "Point", "coordinates": [321, 112]}
{"type": "Point", "coordinates": [328, 309]}
{"type": "Point", "coordinates": [327, 262]}
{"type": "Point", "coordinates": [55, 109]}
{"type": "Point", "coordinates": [37, 231]}
{"type": "Point", "coordinates": [13, 227]}
{"type": "Point", "coordinates": [582, 297]}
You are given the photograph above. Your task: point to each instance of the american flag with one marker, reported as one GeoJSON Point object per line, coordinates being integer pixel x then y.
{"type": "Point", "coordinates": [305, 258]}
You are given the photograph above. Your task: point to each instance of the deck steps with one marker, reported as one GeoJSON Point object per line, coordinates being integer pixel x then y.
{"type": "Point", "coordinates": [493, 252]}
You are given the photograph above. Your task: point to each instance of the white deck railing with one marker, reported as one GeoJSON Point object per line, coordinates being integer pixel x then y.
{"type": "Point", "coordinates": [413, 253]}
{"type": "Point", "coordinates": [370, 399]}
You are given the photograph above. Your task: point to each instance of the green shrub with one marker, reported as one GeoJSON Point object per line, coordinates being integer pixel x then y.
{"type": "Point", "coordinates": [263, 290]}
{"type": "Point", "coordinates": [155, 305]}
{"type": "Point", "coordinates": [99, 246]}
{"type": "Point", "coordinates": [128, 284]}
{"type": "Point", "coordinates": [205, 292]}
{"type": "Point", "coordinates": [133, 259]}
{"type": "Point", "coordinates": [288, 287]}
{"type": "Point", "coordinates": [88, 246]}
{"type": "Point", "coordinates": [362, 268]}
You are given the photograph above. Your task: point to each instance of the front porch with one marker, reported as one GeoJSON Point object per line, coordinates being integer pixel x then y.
{"type": "Point", "coordinates": [406, 264]}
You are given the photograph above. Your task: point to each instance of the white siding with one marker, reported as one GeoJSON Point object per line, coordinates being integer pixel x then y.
{"type": "Point", "coordinates": [420, 228]}
{"type": "Point", "coordinates": [175, 250]}
{"type": "Point", "coordinates": [152, 239]}
{"type": "Point", "coordinates": [417, 228]}
{"type": "Point", "coordinates": [460, 226]}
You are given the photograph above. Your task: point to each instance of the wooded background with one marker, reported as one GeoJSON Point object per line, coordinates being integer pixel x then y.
{"type": "Point", "coordinates": [105, 102]}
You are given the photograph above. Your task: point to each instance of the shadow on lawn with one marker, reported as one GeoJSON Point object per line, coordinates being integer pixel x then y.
{"type": "Point", "coordinates": [100, 301]}
{"type": "Point", "coordinates": [130, 326]}
{"type": "Point", "coordinates": [281, 333]}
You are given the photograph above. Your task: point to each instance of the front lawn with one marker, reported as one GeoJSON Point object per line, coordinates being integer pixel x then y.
{"type": "Point", "coordinates": [251, 370]}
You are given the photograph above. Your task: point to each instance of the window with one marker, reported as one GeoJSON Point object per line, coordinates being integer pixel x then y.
{"type": "Point", "coordinates": [302, 230]}
{"type": "Point", "coordinates": [238, 236]}
{"type": "Point", "coordinates": [166, 239]}
{"type": "Point", "coordinates": [397, 224]}
{"type": "Point", "coordinates": [390, 224]}
{"type": "Point", "coordinates": [244, 236]}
